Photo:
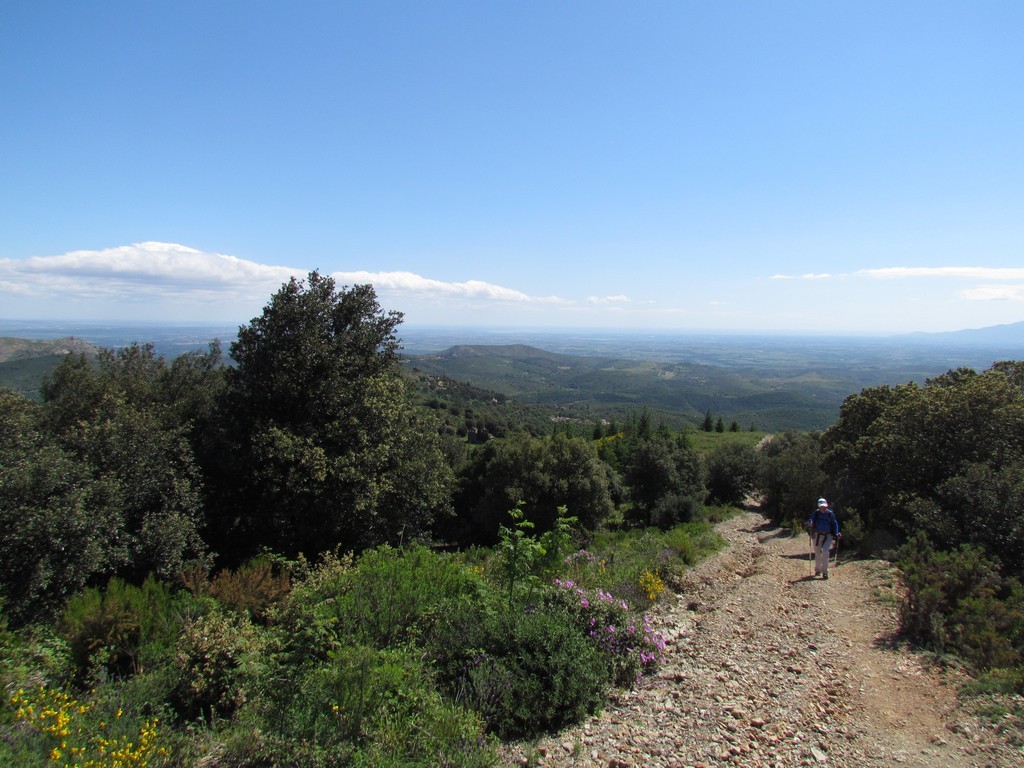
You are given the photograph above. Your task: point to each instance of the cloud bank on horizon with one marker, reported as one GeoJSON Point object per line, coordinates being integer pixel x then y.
{"type": "Point", "coordinates": [151, 278]}
{"type": "Point", "coordinates": [156, 281]}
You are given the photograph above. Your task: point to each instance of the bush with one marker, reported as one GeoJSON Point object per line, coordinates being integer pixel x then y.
{"type": "Point", "coordinates": [368, 707]}
{"type": "Point", "coordinates": [381, 601]}
{"type": "Point", "coordinates": [124, 629]}
{"type": "Point", "coordinates": [673, 509]}
{"type": "Point", "coordinates": [526, 672]}
{"type": "Point", "coordinates": [855, 533]}
{"type": "Point", "coordinates": [34, 656]}
{"type": "Point", "coordinates": [215, 661]}
{"type": "Point", "coordinates": [626, 642]}
{"type": "Point", "coordinates": [958, 602]}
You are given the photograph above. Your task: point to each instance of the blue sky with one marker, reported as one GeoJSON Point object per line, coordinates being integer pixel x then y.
{"type": "Point", "coordinates": [850, 167]}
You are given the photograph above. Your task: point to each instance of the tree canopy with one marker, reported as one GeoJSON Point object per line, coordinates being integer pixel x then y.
{"type": "Point", "coordinates": [320, 446]}
{"type": "Point", "coordinates": [946, 458]}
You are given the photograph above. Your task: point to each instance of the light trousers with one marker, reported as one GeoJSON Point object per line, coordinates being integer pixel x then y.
{"type": "Point", "coordinates": [822, 549]}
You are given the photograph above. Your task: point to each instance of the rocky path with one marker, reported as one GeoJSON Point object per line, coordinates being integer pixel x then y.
{"type": "Point", "coordinates": [768, 667]}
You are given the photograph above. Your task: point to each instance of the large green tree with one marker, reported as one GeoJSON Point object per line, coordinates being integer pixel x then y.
{"type": "Point", "coordinates": [946, 458]}
{"type": "Point", "coordinates": [665, 477]}
{"type": "Point", "coordinates": [733, 472]}
{"type": "Point", "coordinates": [127, 420]}
{"type": "Point", "coordinates": [543, 473]}
{"type": "Point", "coordinates": [791, 476]}
{"type": "Point", "coordinates": [55, 524]}
{"type": "Point", "coordinates": [321, 447]}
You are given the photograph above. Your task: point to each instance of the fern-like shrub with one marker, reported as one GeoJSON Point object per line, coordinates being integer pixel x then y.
{"type": "Point", "coordinates": [124, 629]}
{"type": "Point", "coordinates": [253, 589]}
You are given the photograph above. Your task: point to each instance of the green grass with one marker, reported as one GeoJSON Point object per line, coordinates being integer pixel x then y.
{"type": "Point", "coordinates": [705, 442]}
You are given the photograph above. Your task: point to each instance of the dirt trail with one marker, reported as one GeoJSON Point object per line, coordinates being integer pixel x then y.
{"type": "Point", "coordinates": [768, 667]}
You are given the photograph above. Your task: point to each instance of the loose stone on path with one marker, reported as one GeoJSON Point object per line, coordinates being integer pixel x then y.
{"type": "Point", "coordinates": [766, 668]}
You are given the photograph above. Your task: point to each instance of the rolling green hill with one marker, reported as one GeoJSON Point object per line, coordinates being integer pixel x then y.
{"type": "Point", "coordinates": [24, 362]}
{"type": "Point", "coordinates": [591, 388]}
{"type": "Point", "coordinates": [769, 383]}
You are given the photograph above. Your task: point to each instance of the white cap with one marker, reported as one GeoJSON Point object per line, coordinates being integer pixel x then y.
{"type": "Point", "coordinates": [822, 503]}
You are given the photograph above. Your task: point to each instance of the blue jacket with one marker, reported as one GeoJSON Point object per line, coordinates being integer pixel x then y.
{"type": "Point", "coordinates": [823, 522]}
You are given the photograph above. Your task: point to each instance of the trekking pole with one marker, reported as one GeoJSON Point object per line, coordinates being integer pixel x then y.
{"type": "Point", "coordinates": [836, 562]}
{"type": "Point", "coordinates": [810, 554]}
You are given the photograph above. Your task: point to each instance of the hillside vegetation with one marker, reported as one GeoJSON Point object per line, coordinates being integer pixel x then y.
{"type": "Point", "coordinates": [585, 387]}
{"type": "Point", "coordinates": [429, 575]}
{"type": "Point", "coordinates": [25, 362]}
{"type": "Point", "coordinates": [767, 384]}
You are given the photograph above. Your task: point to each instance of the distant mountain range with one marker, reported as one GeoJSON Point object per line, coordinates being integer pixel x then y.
{"type": "Point", "coordinates": [768, 382]}
{"type": "Point", "coordinates": [1002, 335]}
{"type": "Point", "coordinates": [26, 349]}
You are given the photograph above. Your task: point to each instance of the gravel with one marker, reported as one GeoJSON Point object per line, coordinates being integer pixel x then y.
{"type": "Point", "coordinates": [767, 667]}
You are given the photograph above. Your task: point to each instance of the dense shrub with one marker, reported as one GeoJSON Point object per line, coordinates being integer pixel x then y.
{"type": "Point", "coordinates": [526, 672]}
{"type": "Point", "coordinates": [957, 601]}
{"type": "Point", "coordinates": [672, 509]}
{"type": "Point", "coordinates": [626, 641]}
{"type": "Point", "coordinates": [123, 629]}
{"type": "Point", "coordinates": [368, 707]}
{"type": "Point", "coordinates": [380, 600]}
{"type": "Point", "coordinates": [33, 656]}
{"type": "Point", "coordinates": [215, 662]}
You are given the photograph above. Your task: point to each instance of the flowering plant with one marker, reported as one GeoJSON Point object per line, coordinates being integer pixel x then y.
{"type": "Point", "coordinates": [79, 737]}
{"type": "Point", "coordinates": [626, 640]}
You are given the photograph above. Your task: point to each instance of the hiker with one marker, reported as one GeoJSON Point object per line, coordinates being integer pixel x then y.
{"type": "Point", "coordinates": [823, 527]}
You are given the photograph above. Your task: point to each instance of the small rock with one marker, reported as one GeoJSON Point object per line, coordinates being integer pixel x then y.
{"type": "Point", "coordinates": [818, 755]}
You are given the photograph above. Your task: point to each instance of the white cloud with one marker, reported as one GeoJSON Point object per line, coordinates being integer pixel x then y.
{"type": "Point", "coordinates": [970, 273]}
{"type": "Point", "coordinates": [409, 282]}
{"type": "Point", "coordinates": [619, 299]}
{"type": "Point", "coordinates": [141, 271]}
{"type": "Point", "coordinates": [995, 293]}
{"type": "Point", "coordinates": [153, 280]}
